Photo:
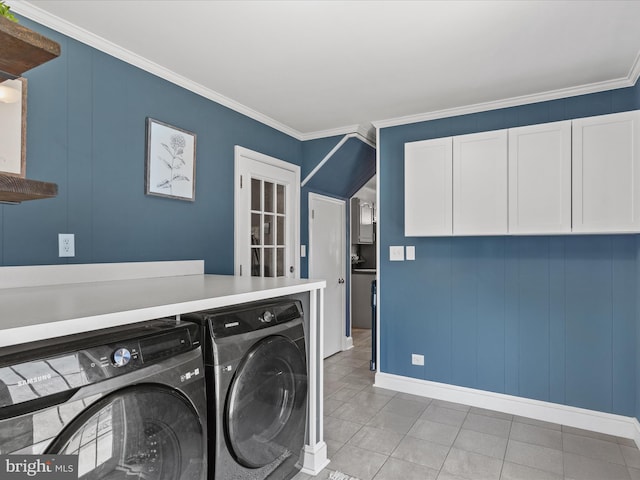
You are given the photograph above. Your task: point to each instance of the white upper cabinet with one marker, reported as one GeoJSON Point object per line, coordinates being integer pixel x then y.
{"type": "Point", "coordinates": [540, 178]}
{"type": "Point", "coordinates": [427, 188]}
{"type": "Point", "coordinates": [606, 173]}
{"type": "Point", "coordinates": [575, 176]}
{"type": "Point", "coordinates": [480, 183]}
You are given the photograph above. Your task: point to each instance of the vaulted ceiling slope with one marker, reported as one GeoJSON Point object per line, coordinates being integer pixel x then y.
{"type": "Point", "coordinates": [320, 68]}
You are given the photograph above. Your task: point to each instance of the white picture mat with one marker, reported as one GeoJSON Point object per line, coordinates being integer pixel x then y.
{"type": "Point", "coordinates": [11, 132]}
{"type": "Point", "coordinates": [181, 178]}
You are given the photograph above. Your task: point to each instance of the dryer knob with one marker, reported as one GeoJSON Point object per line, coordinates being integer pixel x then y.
{"type": "Point", "coordinates": [121, 357]}
{"type": "Point", "coordinates": [267, 317]}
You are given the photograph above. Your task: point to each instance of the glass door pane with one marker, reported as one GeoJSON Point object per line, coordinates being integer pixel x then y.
{"type": "Point", "coordinates": [268, 228]}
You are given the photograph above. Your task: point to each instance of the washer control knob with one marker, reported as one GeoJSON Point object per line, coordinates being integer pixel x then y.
{"type": "Point", "coordinates": [266, 317]}
{"type": "Point", "coordinates": [121, 357]}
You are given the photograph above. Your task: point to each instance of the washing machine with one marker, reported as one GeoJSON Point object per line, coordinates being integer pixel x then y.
{"type": "Point", "coordinates": [129, 402]}
{"type": "Point", "coordinates": [256, 374]}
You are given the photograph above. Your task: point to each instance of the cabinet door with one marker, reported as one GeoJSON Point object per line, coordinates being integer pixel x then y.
{"type": "Point", "coordinates": [540, 178]}
{"type": "Point", "coordinates": [361, 221]}
{"type": "Point", "coordinates": [427, 187]}
{"type": "Point", "coordinates": [480, 183]}
{"type": "Point", "coordinates": [606, 173]}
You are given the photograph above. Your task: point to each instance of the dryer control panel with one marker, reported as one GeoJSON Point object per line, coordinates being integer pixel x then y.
{"type": "Point", "coordinates": [250, 317]}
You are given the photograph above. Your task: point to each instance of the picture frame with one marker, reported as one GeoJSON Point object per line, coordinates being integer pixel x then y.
{"type": "Point", "coordinates": [13, 127]}
{"type": "Point", "coordinates": [170, 169]}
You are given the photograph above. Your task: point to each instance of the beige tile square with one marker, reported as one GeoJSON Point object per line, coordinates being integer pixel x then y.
{"type": "Point", "coordinates": [482, 443]}
{"type": "Point", "coordinates": [363, 464]}
{"type": "Point", "coordinates": [577, 467]}
{"type": "Point", "coordinates": [544, 437]}
{"type": "Point", "coordinates": [376, 440]}
{"type": "Point", "coordinates": [535, 456]}
{"type": "Point", "coordinates": [434, 432]}
{"type": "Point", "coordinates": [396, 469]}
{"type": "Point", "coordinates": [419, 451]}
{"type": "Point", "coordinates": [472, 465]}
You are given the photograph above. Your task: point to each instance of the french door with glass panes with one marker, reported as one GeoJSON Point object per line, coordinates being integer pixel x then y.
{"type": "Point", "coordinates": [267, 197]}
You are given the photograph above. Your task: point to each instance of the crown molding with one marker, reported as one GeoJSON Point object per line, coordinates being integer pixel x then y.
{"type": "Point", "coordinates": [69, 29]}
{"type": "Point", "coordinates": [365, 132]}
{"type": "Point", "coordinates": [628, 81]}
{"type": "Point", "coordinates": [634, 71]}
{"type": "Point", "coordinates": [332, 132]}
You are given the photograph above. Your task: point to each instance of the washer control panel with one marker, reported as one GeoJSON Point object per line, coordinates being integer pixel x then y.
{"type": "Point", "coordinates": [90, 358]}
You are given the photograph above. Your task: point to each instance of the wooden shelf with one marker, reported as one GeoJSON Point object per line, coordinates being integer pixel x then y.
{"type": "Point", "coordinates": [16, 189]}
{"type": "Point", "coordinates": [22, 49]}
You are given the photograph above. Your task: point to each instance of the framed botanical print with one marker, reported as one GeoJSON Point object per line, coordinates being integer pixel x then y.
{"type": "Point", "coordinates": [171, 161]}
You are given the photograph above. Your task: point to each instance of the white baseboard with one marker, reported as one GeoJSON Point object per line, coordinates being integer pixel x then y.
{"type": "Point", "coordinates": [609, 423]}
{"type": "Point", "coordinates": [636, 436]}
{"type": "Point", "coordinates": [347, 343]}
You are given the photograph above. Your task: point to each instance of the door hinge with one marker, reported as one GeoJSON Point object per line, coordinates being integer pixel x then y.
{"type": "Point", "coordinates": [240, 181]}
{"type": "Point", "coordinates": [313, 214]}
{"type": "Point", "coordinates": [240, 270]}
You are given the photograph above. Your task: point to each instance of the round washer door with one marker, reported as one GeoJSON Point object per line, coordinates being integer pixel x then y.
{"type": "Point", "coordinates": [266, 404]}
{"type": "Point", "coordinates": [140, 432]}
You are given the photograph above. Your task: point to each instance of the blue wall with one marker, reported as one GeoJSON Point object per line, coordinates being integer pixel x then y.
{"type": "Point", "coordinates": [86, 132]}
{"type": "Point", "coordinates": [550, 318]}
{"type": "Point", "coordinates": [346, 172]}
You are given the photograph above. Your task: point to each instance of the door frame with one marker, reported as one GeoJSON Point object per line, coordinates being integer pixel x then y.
{"type": "Point", "coordinates": [346, 341]}
{"type": "Point", "coordinates": [241, 154]}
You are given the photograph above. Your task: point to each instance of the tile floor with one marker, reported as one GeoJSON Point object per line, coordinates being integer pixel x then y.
{"type": "Point", "coordinates": [379, 434]}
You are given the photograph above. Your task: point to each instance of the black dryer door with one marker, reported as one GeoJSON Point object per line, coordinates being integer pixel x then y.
{"type": "Point", "coordinates": [266, 403]}
{"type": "Point", "coordinates": [142, 432]}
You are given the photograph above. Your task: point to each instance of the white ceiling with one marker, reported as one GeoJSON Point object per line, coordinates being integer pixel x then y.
{"type": "Point", "coordinates": [314, 68]}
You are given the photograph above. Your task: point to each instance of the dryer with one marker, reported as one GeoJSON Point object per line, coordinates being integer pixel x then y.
{"type": "Point", "coordinates": [256, 374]}
{"type": "Point", "coordinates": [128, 401]}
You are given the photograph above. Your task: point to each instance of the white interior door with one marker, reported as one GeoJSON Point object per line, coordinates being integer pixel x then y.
{"type": "Point", "coordinates": [327, 252]}
{"type": "Point", "coordinates": [267, 202]}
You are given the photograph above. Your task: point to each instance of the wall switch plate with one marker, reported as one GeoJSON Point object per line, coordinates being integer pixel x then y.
{"type": "Point", "coordinates": [303, 251]}
{"type": "Point", "coordinates": [417, 359]}
{"type": "Point", "coordinates": [396, 254]}
{"type": "Point", "coordinates": [411, 252]}
{"type": "Point", "coordinates": [66, 245]}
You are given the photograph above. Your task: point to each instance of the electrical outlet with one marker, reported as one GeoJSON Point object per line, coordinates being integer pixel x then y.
{"type": "Point", "coordinates": [417, 359]}
{"type": "Point", "coordinates": [66, 245]}
{"type": "Point", "coordinates": [411, 252]}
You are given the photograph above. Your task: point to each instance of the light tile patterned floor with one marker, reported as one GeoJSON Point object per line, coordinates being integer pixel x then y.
{"type": "Point", "coordinates": [376, 434]}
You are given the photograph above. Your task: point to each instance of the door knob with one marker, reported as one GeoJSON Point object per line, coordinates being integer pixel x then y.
{"type": "Point", "coordinates": [341, 280]}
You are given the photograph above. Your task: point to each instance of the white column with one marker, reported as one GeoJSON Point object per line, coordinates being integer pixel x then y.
{"type": "Point", "coordinates": [314, 454]}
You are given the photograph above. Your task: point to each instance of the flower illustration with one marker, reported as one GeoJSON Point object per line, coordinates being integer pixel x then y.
{"type": "Point", "coordinates": [175, 149]}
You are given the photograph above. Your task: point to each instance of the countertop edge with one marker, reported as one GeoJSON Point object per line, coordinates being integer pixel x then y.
{"type": "Point", "coordinates": [58, 327]}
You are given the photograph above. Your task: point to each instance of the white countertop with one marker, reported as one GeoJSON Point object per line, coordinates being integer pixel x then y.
{"type": "Point", "coordinates": [39, 312]}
